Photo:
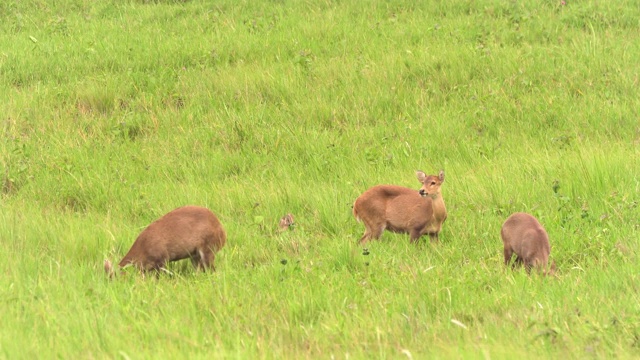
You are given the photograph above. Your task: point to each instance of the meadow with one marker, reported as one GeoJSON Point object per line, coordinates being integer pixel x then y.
{"type": "Point", "coordinates": [114, 112]}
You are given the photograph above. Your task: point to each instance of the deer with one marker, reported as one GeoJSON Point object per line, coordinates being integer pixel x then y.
{"type": "Point", "coordinates": [402, 210]}
{"type": "Point", "coordinates": [523, 235]}
{"type": "Point", "coordinates": [186, 232]}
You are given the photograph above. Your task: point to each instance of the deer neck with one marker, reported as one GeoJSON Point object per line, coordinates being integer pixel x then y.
{"type": "Point", "coordinates": [439, 209]}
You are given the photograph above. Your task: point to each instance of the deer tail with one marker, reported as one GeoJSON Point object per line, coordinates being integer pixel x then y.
{"type": "Point", "coordinates": [355, 212]}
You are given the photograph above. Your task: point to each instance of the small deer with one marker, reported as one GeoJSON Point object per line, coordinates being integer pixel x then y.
{"type": "Point", "coordinates": [403, 210]}
{"type": "Point", "coordinates": [187, 232]}
{"type": "Point", "coordinates": [523, 235]}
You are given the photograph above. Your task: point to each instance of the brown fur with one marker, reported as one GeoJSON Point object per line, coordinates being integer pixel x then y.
{"type": "Point", "coordinates": [403, 210]}
{"type": "Point", "coordinates": [286, 222]}
{"type": "Point", "coordinates": [186, 232]}
{"type": "Point", "coordinates": [525, 237]}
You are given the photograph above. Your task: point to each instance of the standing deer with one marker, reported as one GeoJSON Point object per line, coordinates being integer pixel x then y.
{"type": "Point", "coordinates": [403, 210]}
{"type": "Point", "coordinates": [187, 232]}
{"type": "Point", "coordinates": [523, 235]}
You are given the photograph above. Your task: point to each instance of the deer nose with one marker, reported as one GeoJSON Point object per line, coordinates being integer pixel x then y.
{"type": "Point", "coordinates": [422, 192]}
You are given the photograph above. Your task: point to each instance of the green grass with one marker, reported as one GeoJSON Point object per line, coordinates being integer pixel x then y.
{"type": "Point", "coordinates": [115, 112]}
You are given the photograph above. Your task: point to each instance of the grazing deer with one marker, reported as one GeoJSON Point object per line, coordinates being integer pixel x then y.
{"type": "Point", "coordinates": [187, 232]}
{"type": "Point", "coordinates": [402, 210]}
{"type": "Point", "coordinates": [523, 235]}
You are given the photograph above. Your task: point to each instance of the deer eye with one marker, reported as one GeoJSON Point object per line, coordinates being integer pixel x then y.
{"type": "Point", "coordinates": [433, 183]}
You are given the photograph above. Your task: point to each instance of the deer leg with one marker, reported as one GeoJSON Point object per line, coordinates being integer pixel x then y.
{"type": "Point", "coordinates": [196, 260]}
{"type": "Point", "coordinates": [507, 255]}
{"type": "Point", "coordinates": [415, 233]}
{"type": "Point", "coordinates": [154, 266]}
{"type": "Point", "coordinates": [207, 258]}
{"type": "Point", "coordinates": [373, 232]}
{"type": "Point", "coordinates": [528, 266]}
{"type": "Point", "coordinates": [378, 230]}
{"type": "Point", "coordinates": [517, 262]}
{"type": "Point", "coordinates": [366, 237]}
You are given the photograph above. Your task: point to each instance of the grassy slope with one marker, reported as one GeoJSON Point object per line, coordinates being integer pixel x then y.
{"type": "Point", "coordinates": [116, 112]}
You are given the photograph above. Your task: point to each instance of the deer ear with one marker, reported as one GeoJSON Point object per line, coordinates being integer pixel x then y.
{"type": "Point", "coordinates": [421, 176]}
{"type": "Point", "coordinates": [441, 175]}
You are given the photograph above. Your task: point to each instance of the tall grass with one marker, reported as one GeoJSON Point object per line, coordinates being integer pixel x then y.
{"type": "Point", "coordinates": [116, 112]}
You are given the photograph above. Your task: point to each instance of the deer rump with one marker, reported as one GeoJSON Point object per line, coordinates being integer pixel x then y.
{"type": "Point", "coordinates": [525, 237]}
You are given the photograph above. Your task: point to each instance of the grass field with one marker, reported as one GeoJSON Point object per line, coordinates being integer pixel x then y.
{"type": "Point", "coordinates": [113, 113]}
